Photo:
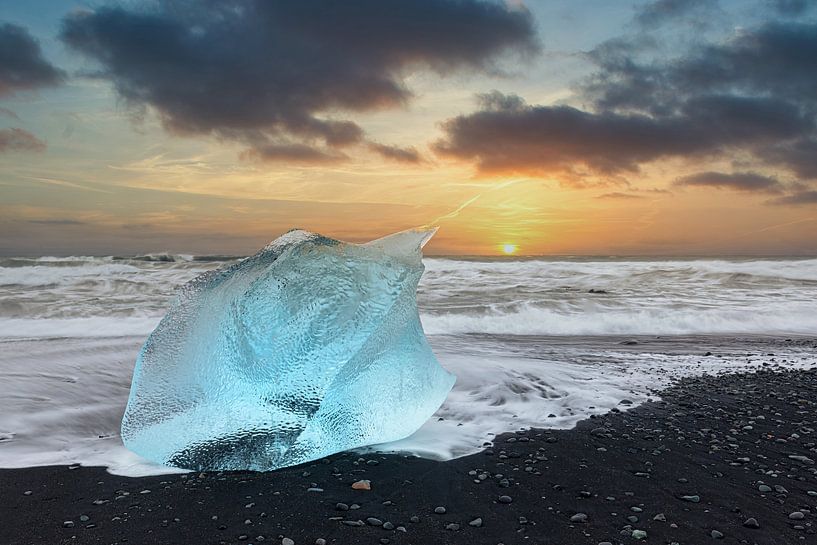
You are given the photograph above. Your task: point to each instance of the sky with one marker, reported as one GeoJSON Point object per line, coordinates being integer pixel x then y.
{"type": "Point", "coordinates": [564, 127]}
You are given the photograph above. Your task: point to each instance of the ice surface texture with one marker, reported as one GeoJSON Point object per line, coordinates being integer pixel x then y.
{"type": "Point", "coordinates": [309, 347]}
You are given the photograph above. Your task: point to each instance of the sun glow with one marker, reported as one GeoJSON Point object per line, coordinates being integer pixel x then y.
{"type": "Point", "coordinates": [508, 249]}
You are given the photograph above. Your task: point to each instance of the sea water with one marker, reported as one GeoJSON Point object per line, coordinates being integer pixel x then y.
{"type": "Point", "coordinates": [533, 342]}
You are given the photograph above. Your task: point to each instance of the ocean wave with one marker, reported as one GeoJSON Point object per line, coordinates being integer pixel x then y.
{"type": "Point", "coordinates": [92, 326]}
{"type": "Point", "coordinates": [528, 320]}
{"type": "Point", "coordinates": [58, 296]}
{"type": "Point", "coordinates": [790, 317]}
{"type": "Point", "coordinates": [762, 269]}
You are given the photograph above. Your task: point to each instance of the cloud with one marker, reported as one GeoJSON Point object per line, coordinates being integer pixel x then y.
{"type": "Point", "coordinates": [739, 181]}
{"type": "Point", "coordinates": [792, 7]}
{"type": "Point", "coordinates": [291, 153]}
{"type": "Point", "coordinates": [800, 156]}
{"type": "Point", "coordinates": [754, 94]}
{"type": "Point", "coordinates": [402, 155]}
{"type": "Point", "coordinates": [776, 59]}
{"type": "Point", "coordinates": [797, 198]}
{"type": "Point", "coordinates": [8, 113]}
{"type": "Point", "coordinates": [774, 65]}
{"type": "Point", "coordinates": [660, 11]}
{"type": "Point", "coordinates": [22, 66]}
{"type": "Point", "coordinates": [19, 140]}
{"type": "Point", "coordinates": [273, 75]}
{"type": "Point", "coordinates": [58, 222]}
{"type": "Point", "coordinates": [507, 135]}
{"type": "Point", "coordinates": [616, 195]}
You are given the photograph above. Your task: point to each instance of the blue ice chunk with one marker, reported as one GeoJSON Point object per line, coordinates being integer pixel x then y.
{"type": "Point", "coordinates": [311, 346]}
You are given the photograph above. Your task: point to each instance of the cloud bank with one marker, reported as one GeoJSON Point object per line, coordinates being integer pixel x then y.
{"type": "Point", "coordinates": [752, 95]}
{"type": "Point", "coordinates": [276, 75]}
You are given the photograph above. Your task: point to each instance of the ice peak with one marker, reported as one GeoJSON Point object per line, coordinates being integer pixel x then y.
{"type": "Point", "coordinates": [406, 243]}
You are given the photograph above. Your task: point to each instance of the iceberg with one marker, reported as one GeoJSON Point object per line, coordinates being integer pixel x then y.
{"type": "Point", "coordinates": [309, 347]}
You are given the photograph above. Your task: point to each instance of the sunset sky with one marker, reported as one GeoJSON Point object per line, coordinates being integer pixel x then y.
{"type": "Point", "coordinates": [680, 127]}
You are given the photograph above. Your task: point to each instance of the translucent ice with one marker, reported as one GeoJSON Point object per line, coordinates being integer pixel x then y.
{"type": "Point", "coordinates": [309, 347]}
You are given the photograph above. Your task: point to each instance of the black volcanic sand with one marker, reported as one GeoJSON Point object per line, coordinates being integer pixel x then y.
{"type": "Point", "coordinates": [726, 459]}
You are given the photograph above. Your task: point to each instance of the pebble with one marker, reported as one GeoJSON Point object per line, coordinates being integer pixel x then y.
{"type": "Point", "coordinates": [751, 523]}
{"type": "Point", "coordinates": [693, 499]}
{"type": "Point", "coordinates": [764, 488]}
{"type": "Point", "coordinates": [660, 517]}
{"type": "Point", "coordinates": [797, 515]}
{"type": "Point", "coordinates": [453, 527]}
{"type": "Point", "coordinates": [68, 524]}
{"type": "Point", "coordinates": [505, 499]}
{"type": "Point", "coordinates": [372, 521]}
{"type": "Point", "coordinates": [639, 534]}
{"type": "Point", "coordinates": [579, 517]}
{"type": "Point", "coordinates": [439, 510]}
{"type": "Point", "coordinates": [716, 534]}
{"type": "Point", "coordinates": [287, 541]}
{"type": "Point", "coordinates": [363, 484]}
{"type": "Point", "coordinates": [804, 459]}
{"type": "Point", "coordinates": [341, 506]}
{"type": "Point", "coordinates": [388, 526]}
{"type": "Point", "coordinates": [476, 523]}
{"type": "Point", "coordinates": [320, 541]}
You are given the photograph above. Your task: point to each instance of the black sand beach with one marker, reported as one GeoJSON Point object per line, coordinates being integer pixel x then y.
{"type": "Point", "coordinates": [726, 459]}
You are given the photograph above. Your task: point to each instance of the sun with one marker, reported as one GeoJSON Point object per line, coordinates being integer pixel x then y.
{"type": "Point", "coordinates": [508, 249]}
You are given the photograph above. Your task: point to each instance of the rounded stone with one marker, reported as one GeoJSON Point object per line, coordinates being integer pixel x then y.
{"type": "Point", "coordinates": [579, 517]}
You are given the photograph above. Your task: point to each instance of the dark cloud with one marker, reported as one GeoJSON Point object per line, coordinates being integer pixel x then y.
{"type": "Point", "coordinates": [767, 72]}
{"type": "Point", "coordinates": [616, 195]}
{"type": "Point", "coordinates": [291, 153]}
{"type": "Point", "coordinates": [792, 7]}
{"type": "Point", "coordinates": [753, 95]}
{"type": "Point", "coordinates": [799, 197]}
{"type": "Point", "coordinates": [19, 140]}
{"type": "Point", "coordinates": [402, 155]}
{"type": "Point", "coordinates": [507, 135]}
{"type": "Point", "coordinates": [656, 13]}
{"type": "Point", "coordinates": [57, 222]}
{"type": "Point", "coordinates": [22, 66]}
{"type": "Point", "coordinates": [273, 74]}
{"type": "Point", "coordinates": [799, 156]}
{"type": "Point", "coordinates": [776, 59]}
{"type": "Point", "coordinates": [739, 181]}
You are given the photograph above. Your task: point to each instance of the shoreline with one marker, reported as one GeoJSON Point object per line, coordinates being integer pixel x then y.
{"type": "Point", "coordinates": [721, 440]}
